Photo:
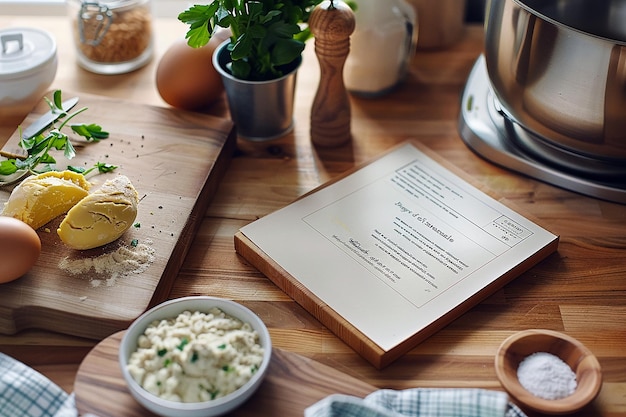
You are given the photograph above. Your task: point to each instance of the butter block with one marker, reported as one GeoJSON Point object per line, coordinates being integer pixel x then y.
{"type": "Point", "coordinates": [101, 217]}
{"type": "Point", "coordinates": [40, 198]}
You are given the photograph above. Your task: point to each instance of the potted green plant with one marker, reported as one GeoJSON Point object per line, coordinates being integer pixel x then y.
{"type": "Point", "coordinates": [259, 62]}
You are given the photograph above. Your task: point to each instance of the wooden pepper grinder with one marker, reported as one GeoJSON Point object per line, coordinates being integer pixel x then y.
{"type": "Point", "coordinates": [332, 23]}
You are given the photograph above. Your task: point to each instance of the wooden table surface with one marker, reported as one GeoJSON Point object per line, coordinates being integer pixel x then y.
{"type": "Point", "coordinates": [581, 290]}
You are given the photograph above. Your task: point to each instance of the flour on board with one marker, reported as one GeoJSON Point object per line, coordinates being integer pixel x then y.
{"type": "Point", "coordinates": [113, 265]}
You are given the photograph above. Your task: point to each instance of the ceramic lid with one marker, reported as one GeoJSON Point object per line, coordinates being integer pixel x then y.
{"type": "Point", "coordinates": [24, 51]}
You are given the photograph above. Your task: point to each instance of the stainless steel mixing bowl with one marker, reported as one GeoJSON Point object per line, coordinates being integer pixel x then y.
{"type": "Point", "coordinates": [558, 69]}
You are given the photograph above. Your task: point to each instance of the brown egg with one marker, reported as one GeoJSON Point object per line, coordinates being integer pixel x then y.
{"type": "Point", "coordinates": [20, 247]}
{"type": "Point", "coordinates": [185, 76]}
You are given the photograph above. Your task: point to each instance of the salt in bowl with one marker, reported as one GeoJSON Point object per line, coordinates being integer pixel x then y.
{"type": "Point", "coordinates": [583, 363]}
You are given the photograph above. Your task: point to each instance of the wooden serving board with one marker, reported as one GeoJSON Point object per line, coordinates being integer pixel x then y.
{"type": "Point", "coordinates": [292, 383]}
{"type": "Point", "coordinates": [175, 160]}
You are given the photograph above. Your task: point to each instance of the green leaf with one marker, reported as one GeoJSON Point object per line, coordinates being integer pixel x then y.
{"type": "Point", "coordinates": [104, 168]}
{"type": "Point", "coordinates": [256, 27]}
{"type": "Point", "coordinates": [78, 170]}
{"type": "Point", "coordinates": [69, 152]}
{"type": "Point", "coordinates": [38, 148]}
{"type": "Point", "coordinates": [255, 9]}
{"type": "Point", "coordinates": [100, 166]}
{"type": "Point", "coordinates": [286, 50]}
{"type": "Point", "coordinates": [58, 101]}
{"type": "Point", "coordinates": [242, 47]}
{"type": "Point", "coordinates": [269, 16]}
{"type": "Point", "coordinates": [182, 343]}
{"type": "Point", "coordinates": [240, 69]}
{"type": "Point", "coordinates": [198, 18]}
{"type": "Point", "coordinates": [7, 167]}
{"type": "Point", "coordinates": [284, 30]}
{"type": "Point", "coordinates": [90, 131]}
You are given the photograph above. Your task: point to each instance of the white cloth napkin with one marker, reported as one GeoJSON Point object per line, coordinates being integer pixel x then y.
{"type": "Point", "coordinates": [418, 402]}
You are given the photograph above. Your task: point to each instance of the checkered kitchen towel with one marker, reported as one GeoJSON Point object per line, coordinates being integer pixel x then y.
{"type": "Point", "coordinates": [418, 402]}
{"type": "Point", "coordinates": [24, 392]}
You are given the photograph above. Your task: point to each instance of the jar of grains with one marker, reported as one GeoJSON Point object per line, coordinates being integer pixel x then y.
{"type": "Point", "coordinates": [112, 36]}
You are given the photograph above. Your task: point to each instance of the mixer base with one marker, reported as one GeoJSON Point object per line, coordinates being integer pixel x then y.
{"type": "Point", "coordinates": [485, 131]}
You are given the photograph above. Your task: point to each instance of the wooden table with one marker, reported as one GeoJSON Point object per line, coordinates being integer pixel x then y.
{"type": "Point", "coordinates": [581, 290]}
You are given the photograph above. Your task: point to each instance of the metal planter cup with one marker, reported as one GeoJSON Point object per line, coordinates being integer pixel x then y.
{"type": "Point", "coordinates": [558, 69]}
{"type": "Point", "coordinates": [261, 110]}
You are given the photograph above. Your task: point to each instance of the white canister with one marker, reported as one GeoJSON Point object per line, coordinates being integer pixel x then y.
{"type": "Point", "coordinates": [381, 47]}
{"type": "Point", "coordinates": [28, 65]}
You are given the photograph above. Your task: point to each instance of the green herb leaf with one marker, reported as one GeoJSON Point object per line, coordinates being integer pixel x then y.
{"type": "Point", "coordinates": [38, 148]}
{"type": "Point", "coordinates": [182, 344]}
{"type": "Point", "coordinates": [100, 166]}
{"type": "Point", "coordinates": [7, 167]}
{"type": "Point", "coordinates": [265, 34]}
{"type": "Point", "coordinates": [90, 131]}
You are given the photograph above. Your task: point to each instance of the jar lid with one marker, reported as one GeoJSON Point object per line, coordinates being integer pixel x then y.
{"type": "Point", "coordinates": [24, 51]}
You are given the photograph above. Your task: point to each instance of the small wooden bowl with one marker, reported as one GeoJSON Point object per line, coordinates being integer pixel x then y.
{"type": "Point", "coordinates": [584, 364]}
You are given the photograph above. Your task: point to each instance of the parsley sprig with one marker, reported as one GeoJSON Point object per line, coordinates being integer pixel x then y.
{"type": "Point", "coordinates": [38, 157]}
{"type": "Point", "coordinates": [266, 35]}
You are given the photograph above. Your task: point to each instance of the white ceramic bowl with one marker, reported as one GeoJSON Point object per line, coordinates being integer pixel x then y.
{"type": "Point", "coordinates": [28, 65]}
{"type": "Point", "coordinates": [171, 309]}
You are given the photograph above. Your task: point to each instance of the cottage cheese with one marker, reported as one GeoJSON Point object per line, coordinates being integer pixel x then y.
{"type": "Point", "coordinates": [196, 356]}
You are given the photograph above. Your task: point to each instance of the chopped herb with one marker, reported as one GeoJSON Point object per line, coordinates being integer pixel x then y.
{"type": "Point", "coordinates": [38, 147]}
{"type": "Point", "coordinates": [167, 362]}
{"type": "Point", "coordinates": [222, 346]}
{"type": "Point", "coordinates": [226, 368]}
{"type": "Point", "coordinates": [102, 168]}
{"type": "Point", "coordinates": [194, 357]}
{"type": "Point", "coordinates": [137, 225]}
{"type": "Point", "coordinates": [134, 243]}
{"type": "Point", "coordinates": [182, 344]}
{"type": "Point", "coordinates": [162, 352]}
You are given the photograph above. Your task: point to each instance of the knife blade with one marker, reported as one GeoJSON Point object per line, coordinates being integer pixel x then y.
{"type": "Point", "coordinates": [47, 119]}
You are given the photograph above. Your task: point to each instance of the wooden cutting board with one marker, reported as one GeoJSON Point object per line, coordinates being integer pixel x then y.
{"type": "Point", "coordinates": [175, 160]}
{"type": "Point", "coordinates": [292, 383]}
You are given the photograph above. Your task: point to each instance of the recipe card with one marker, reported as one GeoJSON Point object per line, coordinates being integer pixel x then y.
{"type": "Point", "coordinates": [393, 251]}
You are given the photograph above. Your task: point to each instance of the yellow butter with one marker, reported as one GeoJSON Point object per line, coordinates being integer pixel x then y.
{"type": "Point", "coordinates": [101, 217]}
{"type": "Point", "coordinates": [40, 198]}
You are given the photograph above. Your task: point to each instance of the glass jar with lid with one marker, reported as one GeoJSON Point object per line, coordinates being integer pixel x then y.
{"type": "Point", "coordinates": [112, 36]}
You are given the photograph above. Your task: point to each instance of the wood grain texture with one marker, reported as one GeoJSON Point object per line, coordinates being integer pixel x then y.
{"type": "Point", "coordinates": [580, 290]}
{"type": "Point", "coordinates": [293, 382]}
{"type": "Point", "coordinates": [175, 161]}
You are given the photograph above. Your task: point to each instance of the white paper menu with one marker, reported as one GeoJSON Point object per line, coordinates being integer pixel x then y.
{"type": "Point", "coordinates": [397, 244]}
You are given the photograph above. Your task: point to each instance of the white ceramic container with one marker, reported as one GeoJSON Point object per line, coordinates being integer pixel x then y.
{"type": "Point", "coordinates": [28, 65]}
{"type": "Point", "coordinates": [171, 309]}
